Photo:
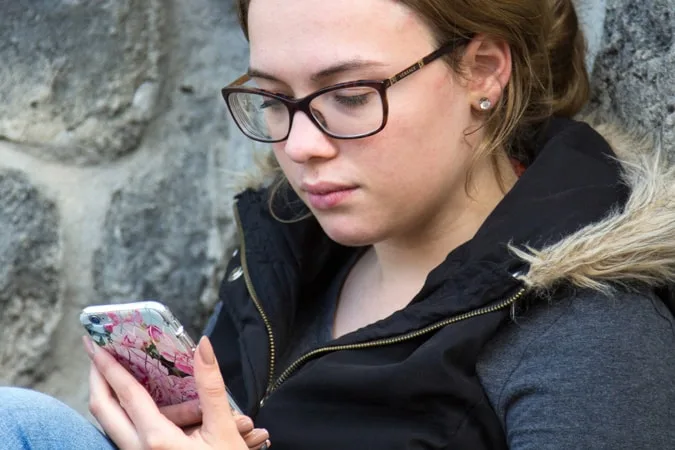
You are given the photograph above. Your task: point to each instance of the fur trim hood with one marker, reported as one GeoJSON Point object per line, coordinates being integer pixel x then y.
{"type": "Point", "coordinates": [635, 244]}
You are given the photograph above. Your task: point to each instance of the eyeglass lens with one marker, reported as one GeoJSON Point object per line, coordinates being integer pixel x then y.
{"type": "Point", "coordinates": [345, 112]}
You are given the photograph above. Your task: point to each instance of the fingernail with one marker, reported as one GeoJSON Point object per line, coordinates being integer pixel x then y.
{"type": "Point", "coordinates": [258, 433]}
{"type": "Point", "coordinates": [267, 444]}
{"type": "Point", "coordinates": [206, 351]}
{"type": "Point", "coordinates": [89, 346]}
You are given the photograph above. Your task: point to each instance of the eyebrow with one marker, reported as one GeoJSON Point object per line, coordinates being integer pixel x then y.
{"type": "Point", "coordinates": [323, 74]}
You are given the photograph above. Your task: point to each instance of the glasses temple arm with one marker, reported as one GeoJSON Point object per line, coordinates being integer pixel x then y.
{"type": "Point", "coordinates": [239, 81]}
{"type": "Point", "coordinates": [442, 50]}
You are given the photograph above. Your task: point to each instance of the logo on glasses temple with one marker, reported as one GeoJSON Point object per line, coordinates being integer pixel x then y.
{"type": "Point", "coordinates": [405, 73]}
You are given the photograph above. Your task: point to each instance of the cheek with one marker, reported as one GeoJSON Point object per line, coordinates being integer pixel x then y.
{"type": "Point", "coordinates": [282, 159]}
{"type": "Point", "coordinates": [424, 145]}
{"type": "Point", "coordinates": [442, 118]}
{"type": "Point", "coordinates": [288, 168]}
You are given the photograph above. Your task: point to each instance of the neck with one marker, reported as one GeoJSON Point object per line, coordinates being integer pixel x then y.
{"type": "Point", "coordinates": [402, 263]}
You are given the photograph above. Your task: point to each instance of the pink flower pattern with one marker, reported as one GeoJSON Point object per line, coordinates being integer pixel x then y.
{"type": "Point", "coordinates": [152, 355]}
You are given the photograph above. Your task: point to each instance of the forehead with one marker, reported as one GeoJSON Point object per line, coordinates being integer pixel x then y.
{"type": "Point", "coordinates": [313, 33]}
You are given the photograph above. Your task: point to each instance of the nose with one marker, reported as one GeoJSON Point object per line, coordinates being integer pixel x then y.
{"type": "Point", "coordinates": [306, 141]}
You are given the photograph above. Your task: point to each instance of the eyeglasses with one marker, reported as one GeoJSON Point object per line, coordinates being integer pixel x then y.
{"type": "Point", "coordinates": [349, 110]}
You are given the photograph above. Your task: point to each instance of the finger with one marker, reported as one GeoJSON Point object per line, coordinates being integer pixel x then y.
{"type": "Point", "coordinates": [109, 414]}
{"type": "Point", "coordinates": [217, 419]}
{"type": "Point", "coordinates": [184, 414]}
{"type": "Point", "coordinates": [244, 424]}
{"type": "Point", "coordinates": [133, 398]}
{"type": "Point", "coordinates": [256, 438]}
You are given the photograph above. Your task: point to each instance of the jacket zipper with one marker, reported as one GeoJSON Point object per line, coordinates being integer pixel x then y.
{"type": "Point", "coordinates": [274, 385]}
{"type": "Point", "coordinates": [256, 302]}
{"type": "Point", "coordinates": [394, 340]}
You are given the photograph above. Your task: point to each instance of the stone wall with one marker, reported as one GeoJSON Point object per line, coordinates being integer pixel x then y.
{"type": "Point", "coordinates": [117, 166]}
{"type": "Point", "coordinates": [633, 78]}
{"type": "Point", "coordinates": [118, 160]}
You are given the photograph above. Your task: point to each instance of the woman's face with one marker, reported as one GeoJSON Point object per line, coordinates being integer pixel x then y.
{"type": "Point", "coordinates": [409, 178]}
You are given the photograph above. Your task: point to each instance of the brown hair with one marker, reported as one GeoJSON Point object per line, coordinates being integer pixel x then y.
{"type": "Point", "coordinates": [547, 48]}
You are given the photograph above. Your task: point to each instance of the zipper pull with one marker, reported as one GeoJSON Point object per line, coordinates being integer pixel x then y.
{"type": "Point", "coordinates": [262, 402]}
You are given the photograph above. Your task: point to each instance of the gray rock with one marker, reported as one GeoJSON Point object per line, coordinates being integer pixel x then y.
{"type": "Point", "coordinates": [168, 232]}
{"type": "Point", "coordinates": [591, 15]}
{"type": "Point", "coordinates": [634, 77]}
{"type": "Point", "coordinates": [80, 79]}
{"type": "Point", "coordinates": [30, 288]}
{"type": "Point", "coordinates": [156, 241]}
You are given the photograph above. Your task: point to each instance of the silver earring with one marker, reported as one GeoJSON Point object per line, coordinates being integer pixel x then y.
{"type": "Point", "coordinates": [485, 104]}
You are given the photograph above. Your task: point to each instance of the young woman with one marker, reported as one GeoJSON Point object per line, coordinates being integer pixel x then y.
{"type": "Point", "coordinates": [438, 258]}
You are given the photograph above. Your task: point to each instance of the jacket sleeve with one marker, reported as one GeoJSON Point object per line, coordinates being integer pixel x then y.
{"type": "Point", "coordinates": [588, 371]}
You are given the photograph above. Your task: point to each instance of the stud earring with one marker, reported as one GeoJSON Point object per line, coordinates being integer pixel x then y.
{"type": "Point", "coordinates": [485, 104]}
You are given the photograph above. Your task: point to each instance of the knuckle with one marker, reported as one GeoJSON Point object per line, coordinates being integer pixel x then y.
{"type": "Point", "coordinates": [94, 406]}
{"type": "Point", "coordinates": [214, 391]}
{"type": "Point", "coordinates": [155, 441]}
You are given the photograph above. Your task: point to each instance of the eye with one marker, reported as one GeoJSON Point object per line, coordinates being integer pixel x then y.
{"type": "Point", "coordinates": [270, 103]}
{"type": "Point", "coordinates": [272, 106]}
{"type": "Point", "coordinates": [352, 100]}
{"type": "Point", "coordinates": [353, 97]}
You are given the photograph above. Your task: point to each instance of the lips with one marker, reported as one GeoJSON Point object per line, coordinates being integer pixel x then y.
{"type": "Point", "coordinates": [325, 195]}
{"type": "Point", "coordinates": [324, 188]}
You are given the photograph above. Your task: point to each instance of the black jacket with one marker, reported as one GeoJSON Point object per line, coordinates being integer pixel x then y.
{"type": "Point", "coordinates": [408, 381]}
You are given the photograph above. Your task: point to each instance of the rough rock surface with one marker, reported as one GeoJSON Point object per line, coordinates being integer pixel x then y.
{"type": "Point", "coordinates": [80, 79]}
{"type": "Point", "coordinates": [30, 286]}
{"type": "Point", "coordinates": [634, 77]}
{"type": "Point", "coordinates": [591, 15]}
{"type": "Point", "coordinates": [166, 232]}
{"type": "Point", "coordinates": [156, 241]}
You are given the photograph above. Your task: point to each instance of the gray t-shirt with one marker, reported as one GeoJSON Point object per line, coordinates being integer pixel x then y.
{"type": "Point", "coordinates": [591, 372]}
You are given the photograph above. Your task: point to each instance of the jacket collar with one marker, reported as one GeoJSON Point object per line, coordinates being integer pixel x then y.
{"type": "Point", "coordinates": [574, 182]}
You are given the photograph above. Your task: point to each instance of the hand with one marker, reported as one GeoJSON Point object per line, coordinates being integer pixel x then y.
{"type": "Point", "coordinates": [133, 421]}
{"type": "Point", "coordinates": [189, 414]}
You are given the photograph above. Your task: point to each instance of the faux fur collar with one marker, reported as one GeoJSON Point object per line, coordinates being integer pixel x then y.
{"type": "Point", "coordinates": [632, 245]}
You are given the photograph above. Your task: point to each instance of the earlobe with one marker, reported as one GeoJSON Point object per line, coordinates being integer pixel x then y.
{"type": "Point", "coordinates": [488, 69]}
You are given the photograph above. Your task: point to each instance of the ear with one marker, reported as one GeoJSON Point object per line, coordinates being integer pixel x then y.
{"type": "Point", "coordinates": [487, 69]}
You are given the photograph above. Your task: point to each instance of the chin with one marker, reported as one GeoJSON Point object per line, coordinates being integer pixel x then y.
{"type": "Point", "coordinates": [344, 232]}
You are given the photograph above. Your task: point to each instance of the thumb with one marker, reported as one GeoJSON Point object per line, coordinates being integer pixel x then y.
{"type": "Point", "coordinates": [216, 413]}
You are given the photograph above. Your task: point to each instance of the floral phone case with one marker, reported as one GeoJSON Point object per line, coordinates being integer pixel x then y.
{"type": "Point", "coordinates": [148, 340]}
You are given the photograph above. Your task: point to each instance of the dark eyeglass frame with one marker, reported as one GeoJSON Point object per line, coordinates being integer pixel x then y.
{"type": "Point", "coordinates": [302, 104]}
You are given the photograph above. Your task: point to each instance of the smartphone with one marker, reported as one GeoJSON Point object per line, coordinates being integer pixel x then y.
{"type": "Point", "coordinates": [148, 340]}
